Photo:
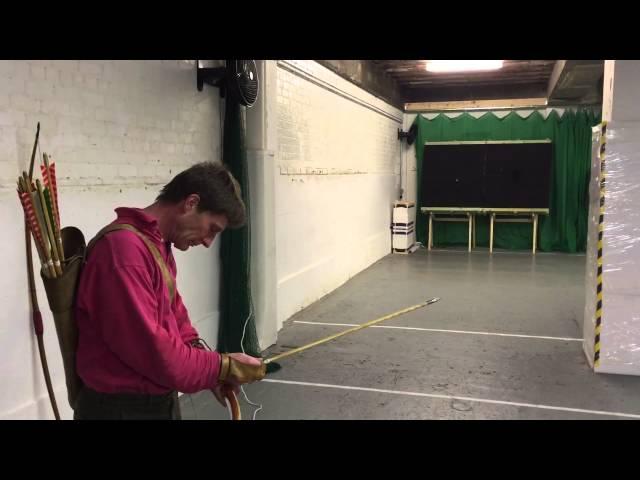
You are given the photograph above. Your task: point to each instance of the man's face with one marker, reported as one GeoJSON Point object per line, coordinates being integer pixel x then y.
{"type": "Point", "coordinates": [195, 228]}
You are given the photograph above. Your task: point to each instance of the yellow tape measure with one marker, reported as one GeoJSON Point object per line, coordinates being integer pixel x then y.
{"type": "Point", "coordinates": [351, 330]}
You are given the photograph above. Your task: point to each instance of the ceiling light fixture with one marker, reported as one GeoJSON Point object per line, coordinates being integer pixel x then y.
{"type": "Point", "coordinates": [463, 65]}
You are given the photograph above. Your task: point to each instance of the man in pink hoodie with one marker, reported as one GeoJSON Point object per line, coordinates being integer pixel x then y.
{"type": "Point", "coordinates": [136, 346]}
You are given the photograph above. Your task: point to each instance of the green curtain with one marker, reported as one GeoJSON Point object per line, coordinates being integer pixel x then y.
{"type": "Point", "coordinates": [235, 248]}
{"type": "Point", "coordinates": [565, 228]}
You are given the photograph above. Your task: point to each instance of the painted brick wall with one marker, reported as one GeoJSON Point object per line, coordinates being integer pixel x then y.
{"type": "Point", "coordinates": [336, 178]}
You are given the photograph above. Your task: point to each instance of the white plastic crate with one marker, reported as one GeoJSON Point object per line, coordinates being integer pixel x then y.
{"type": "Point", "coordinates": [404, 212]}
{"type": "Point", "coordinates": [404, 241]}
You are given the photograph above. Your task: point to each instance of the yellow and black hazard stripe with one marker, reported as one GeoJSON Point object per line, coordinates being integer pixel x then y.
{"type": "Point", "coordinates": [603, 144]}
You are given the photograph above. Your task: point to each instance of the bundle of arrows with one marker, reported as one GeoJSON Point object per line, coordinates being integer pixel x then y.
{"type": "Point", "coordinates": [40, 204]}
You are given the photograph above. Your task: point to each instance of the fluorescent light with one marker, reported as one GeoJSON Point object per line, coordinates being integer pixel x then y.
{"type": "Point", "coordinates": [463, 65]}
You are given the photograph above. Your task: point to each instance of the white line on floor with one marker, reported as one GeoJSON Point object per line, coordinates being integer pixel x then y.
{"type": "Point", "coordinates": [444, 331]}
{"type": "Point", "coordinates": [451, 397]}
{"type": "Point", "coordinates": [485, 250]}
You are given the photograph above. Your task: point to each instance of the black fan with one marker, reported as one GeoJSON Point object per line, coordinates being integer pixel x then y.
{"type": "Point", "coordinates": [239, 78]}
{"type": "Point", "coordinates": [410, 135]}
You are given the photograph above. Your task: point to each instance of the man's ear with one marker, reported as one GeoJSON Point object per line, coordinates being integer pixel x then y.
{"type": "Point", "coordinates": [191, 202]}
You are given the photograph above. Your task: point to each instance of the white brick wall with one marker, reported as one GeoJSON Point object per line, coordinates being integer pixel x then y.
{"type": "Point", "coordinates": [330, 227]}
{"type": "Point", "coordinates": [117, 131]}
{"type": "Point", "coordinates": [319, 128]}
{"type": "Point", "coordinates": [107, 113]}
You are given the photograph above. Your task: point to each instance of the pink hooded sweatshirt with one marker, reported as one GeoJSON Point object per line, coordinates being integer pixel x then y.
{"type": "Point", "coordinates": [131, 339]}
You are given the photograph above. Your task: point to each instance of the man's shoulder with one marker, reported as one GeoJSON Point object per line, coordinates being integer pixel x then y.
{"type": "Point", "coordinates": [121, 247]}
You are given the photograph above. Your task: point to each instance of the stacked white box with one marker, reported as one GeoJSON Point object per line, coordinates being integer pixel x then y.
{"type": "Point", "coordinates": [403, 226]}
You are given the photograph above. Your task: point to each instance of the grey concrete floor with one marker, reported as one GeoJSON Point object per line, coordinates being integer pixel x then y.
{"type": "Point", "coordinates": [384, 373]}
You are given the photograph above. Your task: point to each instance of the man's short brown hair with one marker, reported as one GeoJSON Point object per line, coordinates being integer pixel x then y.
{"type": "Point", "coordinates": [219, 192]}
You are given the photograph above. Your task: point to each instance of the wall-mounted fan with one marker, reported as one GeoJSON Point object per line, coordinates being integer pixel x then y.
{"type": "Point", "coordinates": [410, 135]}
{"type": "Point", "coordinates": [239, 79]}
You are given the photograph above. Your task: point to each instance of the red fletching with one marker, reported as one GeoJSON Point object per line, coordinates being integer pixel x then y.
{"type": "Point", "coordinates": [45, 175]}
{"type": "Point", "coordinates": [49, 180]}
{"type": "Point", "coordinates": [54, 190]}
{"type": "Point", "coordinates": [30, 214]}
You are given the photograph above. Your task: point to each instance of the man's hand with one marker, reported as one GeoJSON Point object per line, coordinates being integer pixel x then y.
{"type": "Point", "coordinates": [237, 369]}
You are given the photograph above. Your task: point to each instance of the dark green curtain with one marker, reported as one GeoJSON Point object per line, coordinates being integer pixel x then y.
{"type": "Point", "coordinates": [235, 247]}
{"type": "Point", "coordinates": [565, 228]}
